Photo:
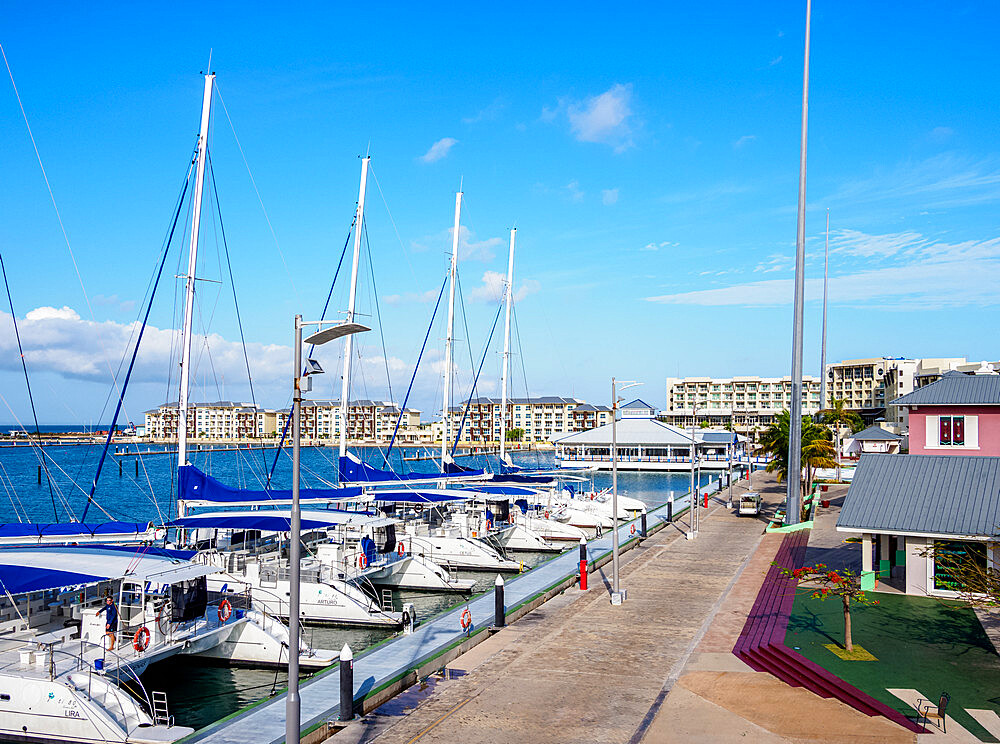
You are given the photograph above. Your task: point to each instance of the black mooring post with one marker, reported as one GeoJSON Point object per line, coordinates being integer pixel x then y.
{"type": "Point", "coordinates": [346, 684]}
{"type": "Point", "coordinates": [119, 468]}
{"type": "Point", "coordinates": [642, 524]}
{"type": "Point", "coordinates": [670, 509]}
{"type": "Point", "coordinates": [39, 473]}
{"type": "Point", "coordinates": [499, 609]}
{"type": "Point", "coordinates": [136, 466]}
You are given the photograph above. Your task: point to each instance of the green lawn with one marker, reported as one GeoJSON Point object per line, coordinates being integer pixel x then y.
{"type": "Point", "coordinates": [920, 643]}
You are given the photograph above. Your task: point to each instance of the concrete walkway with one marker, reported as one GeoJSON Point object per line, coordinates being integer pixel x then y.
{"type": "Point", "coordinates": [578, 669]}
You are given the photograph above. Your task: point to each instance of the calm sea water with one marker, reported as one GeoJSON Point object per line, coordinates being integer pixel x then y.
{"type": "Point", "coordinates": [201, 694]}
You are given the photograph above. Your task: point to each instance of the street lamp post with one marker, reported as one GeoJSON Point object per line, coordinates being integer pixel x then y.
{"type": "Point", "coordinates": [617, 595]}
{"type": "Point", "coordinates": [693, 508]}
{"type": "Point", "coordinates": [302, 384]}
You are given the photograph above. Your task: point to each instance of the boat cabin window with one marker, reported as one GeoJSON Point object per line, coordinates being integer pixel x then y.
{"type": "Point", "coordinates": [500, 509]}
{"type": "Point", "coordinates": [386, 537]}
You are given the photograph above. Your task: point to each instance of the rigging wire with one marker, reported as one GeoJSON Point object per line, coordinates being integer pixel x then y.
{"type": "Point", "coordinates": [326, 306]}
{"type": "Point", "coordinates": [253, 182]}
{"type": "Point", "coordinates": [416, 367]}
{"type": "Point", "coordinates": [475, 381]}
{"type": "Point", "coordinates": [135, 351]}
{"type": "Point", "coordinates": [27, 382]}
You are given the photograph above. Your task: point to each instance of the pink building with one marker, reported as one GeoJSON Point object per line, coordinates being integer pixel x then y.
{"type": "Point", "coordinates": [957, 415]}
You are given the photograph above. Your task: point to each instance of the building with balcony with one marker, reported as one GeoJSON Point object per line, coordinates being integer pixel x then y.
{"type": "Point", "coordinates": [540, 419]}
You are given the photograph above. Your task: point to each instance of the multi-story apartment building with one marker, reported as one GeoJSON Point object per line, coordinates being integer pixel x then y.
{"type": "Point", "coordinates": [742, 403]}
{"type": "Point", "coordinates": [540, 419]}
{"type": "Point", "coordinates": [366, 420]}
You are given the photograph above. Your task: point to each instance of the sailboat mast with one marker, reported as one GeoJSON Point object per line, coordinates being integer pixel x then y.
{"type": "Point", "coordinates": [345, 387]}
{"type": "Point", "coordinates": [508, 296]}
{"type": "Point", "coordinates": [182, 399]}
{"type": "Point", "coordinates": [449, 338]}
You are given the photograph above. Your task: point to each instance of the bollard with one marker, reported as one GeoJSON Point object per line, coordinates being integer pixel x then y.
{"type": "Point", "coordinates": [39, 473]}
{"type": "Point", "coordinates": [583, 564]}
{"type": "Point", "coordinates": [499, 610]}
{"type": "Point", "coordinates": [346, 684]}
{"type": "Point", "coordinates": [137, 466]}
{"type": "Point", "coordinates": [119, 468]}
{"type": "Point", "coordinates": [642, 525]}
{"type": "Point", "coordinates": [670, 508]}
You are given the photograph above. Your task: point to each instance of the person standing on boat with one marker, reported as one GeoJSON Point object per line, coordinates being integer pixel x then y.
{"type": "Point", "coordinates": [110, 621]}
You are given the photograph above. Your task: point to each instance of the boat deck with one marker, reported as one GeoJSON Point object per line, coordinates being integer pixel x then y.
{"type": "Point", "coordinates": [265, 722]}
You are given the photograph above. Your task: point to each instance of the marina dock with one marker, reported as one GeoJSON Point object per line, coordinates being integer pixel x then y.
{"type": "Point", "coordinates": [390, 667]}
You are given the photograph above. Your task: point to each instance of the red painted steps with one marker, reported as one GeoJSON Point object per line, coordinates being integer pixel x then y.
{"type": "Point", "coordinates": [762, 642]}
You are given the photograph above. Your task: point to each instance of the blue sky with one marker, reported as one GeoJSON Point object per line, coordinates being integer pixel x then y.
{"type": "Point", "coordinates": [648, 157]}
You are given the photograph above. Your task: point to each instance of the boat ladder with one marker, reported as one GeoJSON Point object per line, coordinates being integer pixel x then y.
{"type": "Point", "coordinates": [161, 714]}
{"type": "Point", "coordinates": [386, 600]}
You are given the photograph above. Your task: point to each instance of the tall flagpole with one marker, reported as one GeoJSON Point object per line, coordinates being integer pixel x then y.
{"type": "Point", "coordinates": [822, 353]}
{"type": "Point", "coordinates": [793, 507]}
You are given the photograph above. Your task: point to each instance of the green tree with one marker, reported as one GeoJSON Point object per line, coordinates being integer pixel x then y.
{"type": "Point", "coordinates": [515, 435]}
{"type": "Point", "coordinates": [817, 449]}
{"type": "Point", "coordinates": [826, 583]}
{"type": "Point", "coordinates": [840, 418]}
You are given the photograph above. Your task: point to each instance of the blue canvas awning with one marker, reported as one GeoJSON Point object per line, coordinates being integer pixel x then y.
{"type": "Point", "coordinates": [194, 486]}
{"type": "Point", "coordinates": [73, 529]}
{"type": "Point", "coordinates": [502, 490]}
{"type": "Point", "coordinates": [353, 470]}
{"type": "Point", "coordinates": [421, 496]}
{"type": "Point", "coordinates": [276, 520]}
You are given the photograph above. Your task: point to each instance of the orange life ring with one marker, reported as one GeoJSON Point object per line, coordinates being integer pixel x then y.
{"type": "Point", "coordinates": [466, 619]}
{"type": "Point", "coordinates": [632, 531]}
{"type": "Point", "coordinates": [225, 611]}
{"type": "Point", "coordinates": [140, 642]}
{"type": "Point", "coordinates": [510, 518]}
{"type": "Point", "coordinates": [401, 549]}
{"type": "Point", "coordinates": [546, 515]}
{"type": "Point", "coordinates": [362, 561]}
{"type": "Point", "coordinates": [489, 525]}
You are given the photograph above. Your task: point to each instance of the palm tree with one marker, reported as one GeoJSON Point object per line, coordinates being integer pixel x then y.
{"type": "Point", "coordinates": [839, 417]}
{"type": "Point", "coordinates": [816, 447]}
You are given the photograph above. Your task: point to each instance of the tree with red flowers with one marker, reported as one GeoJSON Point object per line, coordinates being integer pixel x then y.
{"type": "Point", "coordinates": [826, 583]}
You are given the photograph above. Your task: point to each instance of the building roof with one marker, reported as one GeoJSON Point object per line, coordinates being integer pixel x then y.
{"type": "Point", "coordinates": [876, 432]}
{"type": "Point", "coordinates": [631, 431]}
{"type": "Point", "coordinates": [544, 399]}
{"type": "Point", "coordinates": [955, 388]}
{"type": "Point", "coordinates": [924, 494]}
{"type": "Point", "coordinates": [586, 407]}
{"type": "Point", "coordinates": [639, 403]}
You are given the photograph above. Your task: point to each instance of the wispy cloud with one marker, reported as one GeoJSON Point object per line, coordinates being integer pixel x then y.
{"type": "Point", "coordinates": [922, 274]}
{"type": "Point", "coordinates": [658, 246]}
{"type": "Point", "coordinates": [706, 193]}
{"type": "Point", "coordinates": [469, 248]}
{"type": "Point", "coordinates": [439, 150]}
{"type": "Point", "coordinates": [743, 141]}
{"type": "Point", "coordinates": [575, 192]}
{"type": "Point", "coordinates": [609, 197]}
{"type": "Point", "coordinates": [775, 61]}
{"type": "Point", "coordinates": [407, 297]}
{"type": "Point", "coordinates": [487, 113]}
{"type": "Point", "coordinates": [945, 180]}
{"type": "Point", "coordinates": [123, 306]}
{"type": "Point", "coordinates": [605, 118]}
{"type": "Point", "coordinates": [493, 286]}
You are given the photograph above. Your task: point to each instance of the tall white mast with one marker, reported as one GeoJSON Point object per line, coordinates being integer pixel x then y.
{"type": "Point", "coordinates": [449, 338]}
{"type": "Point", "coordinates": [508, 295]}
{"type": "Point", "coordinates": [345, 387]}
{"type": "Point", "coordinates": [199, 183]}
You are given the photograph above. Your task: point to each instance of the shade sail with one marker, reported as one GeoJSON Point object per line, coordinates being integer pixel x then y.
{"type": "Point", "coordinates": [69, 530]}
{"type": "Point", "coordinates": [40, 568]}
{"type": "Point", "coordinates": [353, 470]}
{"type": "Point", "coordinates": [503, 490]}
{"type": "Point", "coordinates": [197, 487]}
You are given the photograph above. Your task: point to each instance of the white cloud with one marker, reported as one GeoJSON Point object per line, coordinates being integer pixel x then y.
{"type": "Point", "coordinates": [657, 246]}
{"type": "Point", "coordinates": [439, 149]}
{"type": "Point", "coordinates": [575, 193]}
{"type": "Point", "coordinates": [923, 275]}
{"type": "Point", "coordinates": [57, 340]}
{"type": "Point", "coordinates": [775, 61]}
{"type": "Point", "coordinates": [609, 196]}
{"type": "Point", "coordinates": [489, 113]}
{"type": "Point", "coordinates": [604, 118]}
{"type": "Point", "coordinates": [743, 141]}
{"type": "Point", "coordinates": [493, 286]}
{"type": "Point", "coordinates": [398, 299]}
{"type": "Point", "coordinates": [469, 248]}
{"type": "Point", "coordinates": [941, 134]}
